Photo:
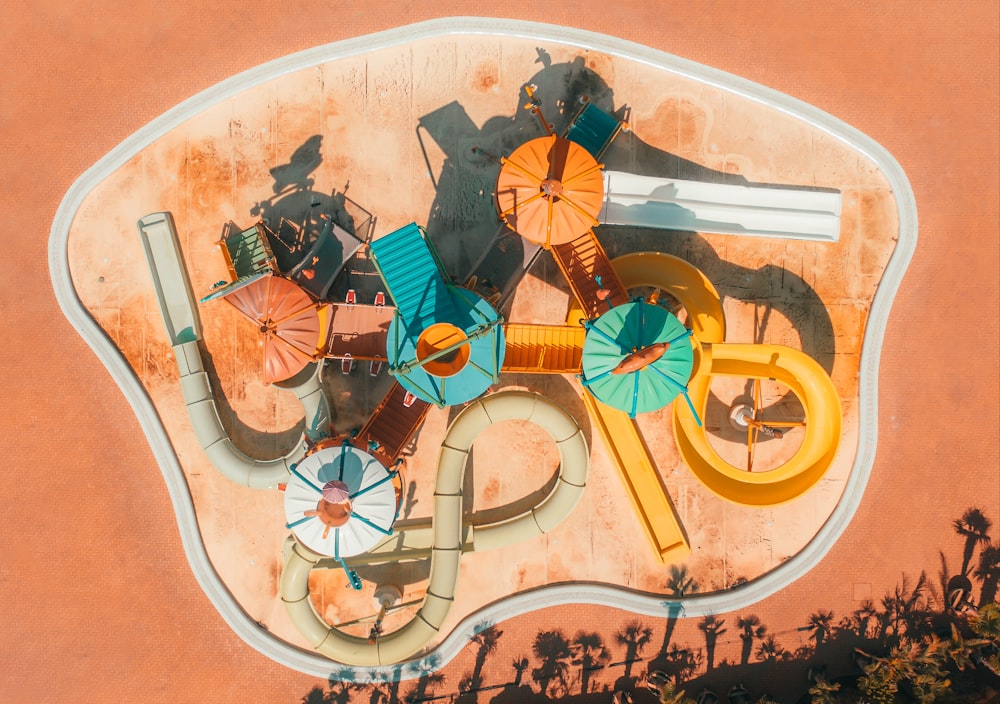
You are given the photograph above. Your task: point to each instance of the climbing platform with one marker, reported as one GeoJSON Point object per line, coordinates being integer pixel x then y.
{"type": "Point", "coordinates": [543, 349]}
{"type": "Point", "coordinates": [414, 277]}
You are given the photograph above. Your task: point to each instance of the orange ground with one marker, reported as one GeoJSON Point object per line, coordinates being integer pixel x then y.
{"type": "Point", "coordinates": [99, 591]}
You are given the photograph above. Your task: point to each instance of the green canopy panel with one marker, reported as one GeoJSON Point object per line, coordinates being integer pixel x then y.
{"type": "Point", "coordinates": [625, 339]}
{"type": "Point", "coordinates": [482, 327]}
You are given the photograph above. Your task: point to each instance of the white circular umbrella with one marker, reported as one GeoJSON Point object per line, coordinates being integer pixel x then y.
{"type": "Point", "coordinates": [340, 501]}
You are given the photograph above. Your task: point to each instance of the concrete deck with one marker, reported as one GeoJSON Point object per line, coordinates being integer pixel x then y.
{"type": "Point", "coordinates": [110, 509]}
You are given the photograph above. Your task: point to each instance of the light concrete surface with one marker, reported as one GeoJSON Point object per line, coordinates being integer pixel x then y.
{"type": "Point", "coordinates": [939, 127]}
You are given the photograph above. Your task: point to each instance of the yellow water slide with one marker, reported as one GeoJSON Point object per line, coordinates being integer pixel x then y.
{"type": "Point", "coordinates": [629, 454]}
{"type": "Point", "coordinates": [820, 402]}
{"type": "Point", "coordinates": [447, 536]}
{"type": "Point", "coordinates": [799, 372]}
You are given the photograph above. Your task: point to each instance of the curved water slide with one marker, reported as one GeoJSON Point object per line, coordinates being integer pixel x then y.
{"type": "Point", "coordinates": [183, 325]}
{"type": "Point", "coordinates": [820, 402]}
{"type": "Point", "coordinates": [713, 357]}
{"type": "Point", "coordinates": [447, 536]}
{"type": "Point", "coordinates": [628, 452]}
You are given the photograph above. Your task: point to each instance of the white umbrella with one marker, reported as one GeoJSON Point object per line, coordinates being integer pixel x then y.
{"type": "Point", "coordinates": [340, 501]}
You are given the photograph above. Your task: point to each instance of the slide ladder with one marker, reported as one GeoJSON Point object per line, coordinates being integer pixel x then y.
{"type": "Point", "coordinates": [543, 349]}
{"type": "Point", "coordinates": [391, 425]}
{"type": "Point", "coordinates": [584, 262]}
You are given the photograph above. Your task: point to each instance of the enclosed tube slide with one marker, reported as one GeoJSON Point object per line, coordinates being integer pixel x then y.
{"type": "Point", "coordinates": [447, 536]}
{"type": "Point", "coordinates": [180, 317]}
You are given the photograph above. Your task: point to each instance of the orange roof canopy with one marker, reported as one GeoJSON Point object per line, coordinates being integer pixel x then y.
{"type": "Point", "coordinates": [550, 190]}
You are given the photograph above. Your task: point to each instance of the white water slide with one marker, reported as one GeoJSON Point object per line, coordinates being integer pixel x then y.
{"type": "Point", "coordinates": [727, 209]}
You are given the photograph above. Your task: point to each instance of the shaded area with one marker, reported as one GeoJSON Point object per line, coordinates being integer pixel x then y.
{"type": "Point", "coordinates": [312, 231]}
{"type": "Point", "coordinates": [250, 441]}
{"type": "Point", "coordinates": [913, 640]}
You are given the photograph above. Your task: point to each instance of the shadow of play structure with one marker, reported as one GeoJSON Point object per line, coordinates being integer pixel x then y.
{"type": "Point", "coordinates": [446, 344]}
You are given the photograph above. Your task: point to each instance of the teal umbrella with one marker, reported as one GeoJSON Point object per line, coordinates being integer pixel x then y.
{"type": "Point", "coordinates": [637, 358]}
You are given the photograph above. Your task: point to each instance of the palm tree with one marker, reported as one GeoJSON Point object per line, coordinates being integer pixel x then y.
{"type": "Point", "coordinates": [904, 613]}
{"type": "Point", "coordinates": [671, 694]}
{"type": "Point", "coordinates": [429, 676]}
{"type": "Point", "coordinates": [988, 573]}
{"type": "Point", "coordinates": [712, 627]}
{"type": "Point", "coordinates": [342, 695]}
{"type": "Point", "coordinates": [769, 649]}
{"type": "Point", "coordinates": [926, 678]}
{"type": "Point", "coordinates": [419, 692]}
{"type": "Point", "coordinates": [751, 629]}
{"type": "Point", "coordinates": [974, 526]}
{"type": "Point", "coordinates": [679, 585]}
{"type": "Point", "coordinates": [392, 679]}
{"type": "Point", "coordinates": [681, 662]}
{"type": "Point", "coordinates": [377, 695]}
{"type": "Point", "coordinates": [592, 653]}
{"type": "Point", "coordinates": [635, 637]}
{"type": "Point", "coordinates": [487, 640]}
{"type": "Point", "coordinates": [520, 665]}
{"type": "Point", "coordinates": [986, 625]}
{"type": "Point", "coordinates": [959, 650]}
{"type": "Point", "coordinates": [883, 675]}
{"type": "Point", "coordinates": [823, 692]}
{"type": "Point", "coordinates": [552, 648]}
{"type": "Point", "coordinates": [316, 695]}
{"type": "Point", "coordinates": [862, 616]}
{"type": "Point", "coordinates": [819, 624]}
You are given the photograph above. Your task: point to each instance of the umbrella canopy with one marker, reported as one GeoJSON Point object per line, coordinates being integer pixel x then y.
{"type": "Point", "coordinates": [456, 358]}
{"type": "Point", "coordinates": [637, 357]}
{"type": "Point", "coordinates": [340, 501]}
{"type": "Point", "coordinates": [550, 190]}
{"type": "Point", "coordinates": [287, 317]}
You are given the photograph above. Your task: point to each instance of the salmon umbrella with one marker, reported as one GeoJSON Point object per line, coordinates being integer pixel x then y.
{"type": "Point", "coordinates": [550, 190]}
{"type": "Point", "coordinates": [287, 317]}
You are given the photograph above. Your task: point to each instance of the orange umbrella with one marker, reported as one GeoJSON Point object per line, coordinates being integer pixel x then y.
{"type": "Point", "coordinates": [550, 190]}
{"type": "Point", "coordinates": [289, 320]}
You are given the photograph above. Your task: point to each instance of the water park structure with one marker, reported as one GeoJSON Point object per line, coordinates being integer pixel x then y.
{"type": "Point", "coordinates": [404, 352]}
